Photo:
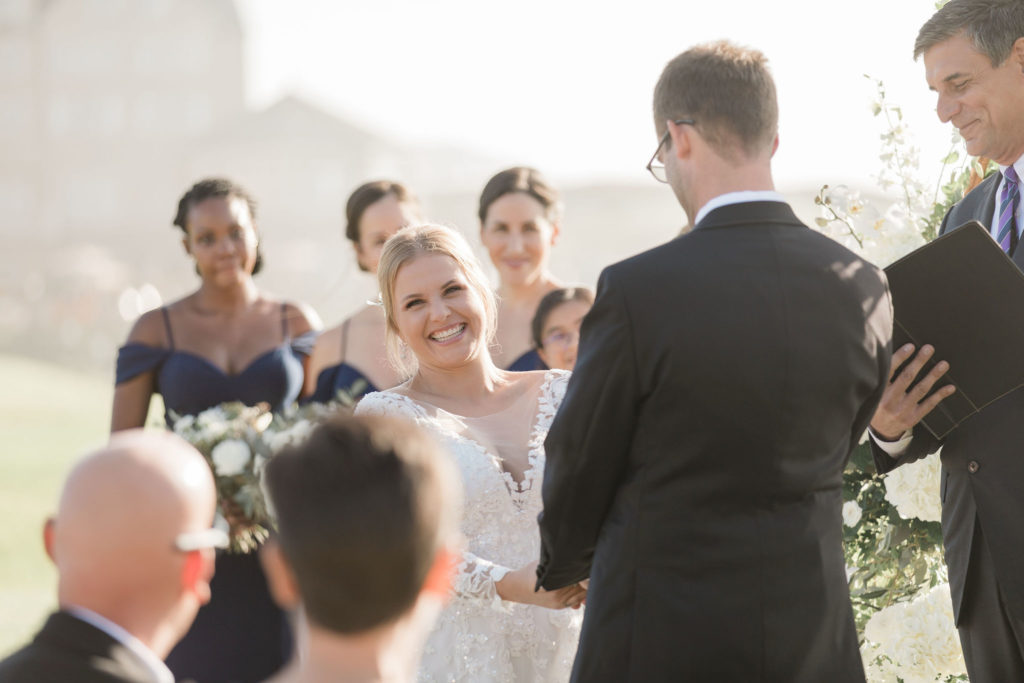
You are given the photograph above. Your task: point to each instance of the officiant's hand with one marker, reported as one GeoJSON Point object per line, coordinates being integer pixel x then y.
{"type": "Point", "coordinates": [517, 586]}
{"type": "Point", "coordinates": [902, 407]}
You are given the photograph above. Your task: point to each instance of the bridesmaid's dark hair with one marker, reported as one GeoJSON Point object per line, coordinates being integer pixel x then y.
{"type": "Point", "coordinates": [523, 179]}
{"type": "Point", "coordinates": [365, 196]}
{"type": "Point", "coordinates": [216, 187]}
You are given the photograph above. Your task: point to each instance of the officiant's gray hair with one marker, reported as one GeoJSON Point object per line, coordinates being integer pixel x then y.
{"type": "Point", "coordinates": [417, 240]}
{"type": "Point", "coordinates": [992, 26]}
{"type": "Point", "coordinates": [729, 92]}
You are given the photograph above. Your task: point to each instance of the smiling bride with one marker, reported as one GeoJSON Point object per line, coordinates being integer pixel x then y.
{"type": "Point", "coordinates": [440, 322]}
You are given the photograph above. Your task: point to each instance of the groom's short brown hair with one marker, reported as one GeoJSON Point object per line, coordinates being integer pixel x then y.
{"type": "Point", "coordinates": [727, 90]}
{"type": "Point", "coordinates": [363, 507]}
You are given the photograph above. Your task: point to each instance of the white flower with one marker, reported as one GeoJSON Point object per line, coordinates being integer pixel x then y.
{"type": "Point", "coordinates": [918, 637]}
{"type": "Point", "coordinates": [230, 457]}
{"type": "Point", "coordinates": [294, 434]}
{"type": "Point", "coordinates": [914, 489]}
{"type": "Point", "coordinates": [851, 513]}
{"type": "Point", "coordinates": [183, 424]}
{"type": "Point", "coordinates": [212, 423]}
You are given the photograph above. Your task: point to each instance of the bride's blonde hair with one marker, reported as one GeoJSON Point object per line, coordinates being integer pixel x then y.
{"type": "Point", "coordinates": [417, 240]}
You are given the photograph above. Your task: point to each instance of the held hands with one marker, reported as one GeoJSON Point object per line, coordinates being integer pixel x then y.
{"type": "Point", "coordinates": [901, 409]}
{"type": "Point", "coordinates": [517, 586]}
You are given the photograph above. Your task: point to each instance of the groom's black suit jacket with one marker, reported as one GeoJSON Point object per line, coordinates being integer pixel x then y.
{"type": "Point", "coordinates": [982, 460]}
{"type": "Point", "coordinates": [694, 470]}
{"type": "Point", "coordinates": [68, 649]}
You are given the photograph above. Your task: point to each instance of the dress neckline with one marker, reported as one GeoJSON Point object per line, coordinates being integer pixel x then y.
{"type": "Point", "coordinates": [543, 415]}
{"type": "Point", "coordinates": [546, 379]}
{"type": "Point", "coordinates": [213, 366]}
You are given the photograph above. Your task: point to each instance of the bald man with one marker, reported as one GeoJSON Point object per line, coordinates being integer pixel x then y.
{"type": "Point", "coordinates": [134, 553]}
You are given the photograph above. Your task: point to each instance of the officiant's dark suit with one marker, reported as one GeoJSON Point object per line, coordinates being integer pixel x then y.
{"type": "Point", "coordinates": [69, 649]}
{"type": "Point", "coordinates": [981, 92]}
{"type": "Point", "coordinates": [694, 470]}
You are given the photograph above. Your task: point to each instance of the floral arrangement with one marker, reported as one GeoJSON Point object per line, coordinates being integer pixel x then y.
{"type": "Point", "coordinates": [237, 441]}
{"type": "Point", "coordinates": [892, 534]}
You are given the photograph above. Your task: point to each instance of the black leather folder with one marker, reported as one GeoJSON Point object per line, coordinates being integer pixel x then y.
{"type": "Point", "coordinates": [963, 295]}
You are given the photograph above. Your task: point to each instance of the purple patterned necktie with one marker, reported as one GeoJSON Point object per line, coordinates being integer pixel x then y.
{"type": "Point", "coordinates": [1007, 233]}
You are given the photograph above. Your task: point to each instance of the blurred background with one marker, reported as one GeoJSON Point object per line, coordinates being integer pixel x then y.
{"type": "Point", "coordinates": [111, 109]}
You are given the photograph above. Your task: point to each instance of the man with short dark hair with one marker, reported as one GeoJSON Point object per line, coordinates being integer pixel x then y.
{"type": "Point", "coordinates": [694, 471]}
{"type": "Point", "coordinates": [367, 511]}
{"type": "Point", "coordinates": [974, 60]}
{"type": "Point", "coordinates": [134, 553]}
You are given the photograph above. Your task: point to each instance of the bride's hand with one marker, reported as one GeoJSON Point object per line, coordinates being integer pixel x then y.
{"type": "Point", "coordinates": [517, 586]}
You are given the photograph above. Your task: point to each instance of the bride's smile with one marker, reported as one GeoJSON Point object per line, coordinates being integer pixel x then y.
{"type": "Point", "coordinates": [438, 315]}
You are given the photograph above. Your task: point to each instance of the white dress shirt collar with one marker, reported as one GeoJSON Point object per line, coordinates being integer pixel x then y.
{"type": "Point", "coordinates": [738, 198]}
{"type": "Point", "coordinates": [137, 647]}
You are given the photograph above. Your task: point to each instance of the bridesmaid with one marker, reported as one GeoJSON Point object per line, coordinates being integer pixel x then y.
{"type": "Point", "coordinates": [226, 341]}
{"type": "Point", "coordinates": [556, 325]}
{"type": "Point", "coordinates": [351, 357]}
{"type": "Point", "coordinates": [519, 216]}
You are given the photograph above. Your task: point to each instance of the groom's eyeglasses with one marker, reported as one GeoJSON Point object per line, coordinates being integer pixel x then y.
{"type": "Point", "coordinates": [655, 166]}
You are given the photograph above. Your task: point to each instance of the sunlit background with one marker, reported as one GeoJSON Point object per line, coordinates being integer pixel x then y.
{"type": "Point", "coordinates": [110, 109]}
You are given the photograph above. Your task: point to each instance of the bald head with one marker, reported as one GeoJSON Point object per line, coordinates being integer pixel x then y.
{"type": "Point", "coordinates": [113, 538]}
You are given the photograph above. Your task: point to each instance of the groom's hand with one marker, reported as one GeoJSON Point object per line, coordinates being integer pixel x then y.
{"type": "Point", "coordinates": [903, 403]}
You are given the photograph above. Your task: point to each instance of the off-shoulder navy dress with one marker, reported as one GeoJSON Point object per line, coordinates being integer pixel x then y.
{"type": "Point", "coordinates": [528, 361]}
{"type": "Point", "coordinates": [241, 635]}
{"type": "Point", "coordinates": [341, 379]}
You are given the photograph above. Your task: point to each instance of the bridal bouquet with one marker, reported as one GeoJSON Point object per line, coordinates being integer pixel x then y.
{"type": "Point", "coordinates": [892, 535]}
{"type": "Point", "coordinates": [237, 441]}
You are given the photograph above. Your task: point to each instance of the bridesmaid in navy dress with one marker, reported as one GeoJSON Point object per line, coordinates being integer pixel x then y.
{"type": "Point", "coordinates": [519, 216]}
{"type": "Point", "coordinates": [351, 357]}
{"type": "Point", "coordinates": [226, 341]}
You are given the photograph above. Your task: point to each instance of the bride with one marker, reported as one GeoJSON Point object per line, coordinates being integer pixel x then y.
{"type": "Point", "coordinates": [440, 320]}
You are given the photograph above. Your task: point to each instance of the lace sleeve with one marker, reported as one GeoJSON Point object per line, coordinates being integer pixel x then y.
{"type": "Point", "coordinates": [477, 579]}
{"type": "Point", "coordinates": [388, 404]}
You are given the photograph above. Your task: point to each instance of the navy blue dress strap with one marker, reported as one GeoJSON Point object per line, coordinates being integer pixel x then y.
{"type": "Point", "coordinates": [284, 321]}
{"type": "Point", "coordinates": [167, 326]}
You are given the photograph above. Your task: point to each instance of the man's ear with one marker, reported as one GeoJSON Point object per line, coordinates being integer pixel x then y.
{"type": "Point", "coordinates": [556, 230]}
{"type": "Point", "coordinates": [442, 573]}
{"type": "Point", "coordinates": [682, 142]}
{"type": "Point", "coordinates": [1017, 54]}
{"type": "Point", "coordinates": [775, 143]}
{"type": "Point", "coordinates": [196, 572]}
{"type": "Point", "coordinates": [48, 531]}
{"type": "Point", "coordinates": [280, 577]}
{"type": "Point", "coordinates": [184, 243]}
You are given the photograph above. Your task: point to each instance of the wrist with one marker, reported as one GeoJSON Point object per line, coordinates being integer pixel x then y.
{"type": "Point", "coordinates": [885, 435]}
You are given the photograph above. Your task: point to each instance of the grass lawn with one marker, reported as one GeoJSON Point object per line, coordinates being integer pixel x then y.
{"type": "Point", "coordinates": [48, 417]}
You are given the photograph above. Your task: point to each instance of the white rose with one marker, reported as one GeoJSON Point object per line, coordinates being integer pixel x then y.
{"type": "Point", "coordinates": [851, 513]}
{"type": "Point", "coordinates": [919, 636]}
{"type": "Point", "coordinates": [230, 457]}
{"type": "Point", "coordinates": [212, 422]}
{"type": "Point", "coordinates": [914, 489]}
{"type": "Point", "coordinates": [294, 434]}
{"type": "Point", "coordinates": [183, 424]}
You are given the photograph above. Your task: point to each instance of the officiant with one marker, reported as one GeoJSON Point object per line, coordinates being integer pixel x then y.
{"type": "Point", "coordinates": [974, 60]}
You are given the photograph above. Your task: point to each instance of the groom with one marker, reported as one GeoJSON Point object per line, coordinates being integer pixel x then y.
{"type": "Point", "coordinates": [694, 471]}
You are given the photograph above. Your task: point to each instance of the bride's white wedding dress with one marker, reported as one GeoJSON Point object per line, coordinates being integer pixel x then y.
{"type": "Point", "coordinates": [480, 637]}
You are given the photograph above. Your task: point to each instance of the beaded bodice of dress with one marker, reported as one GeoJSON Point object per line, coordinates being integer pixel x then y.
{"type": "Point", "coordinates": [500, 527]}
